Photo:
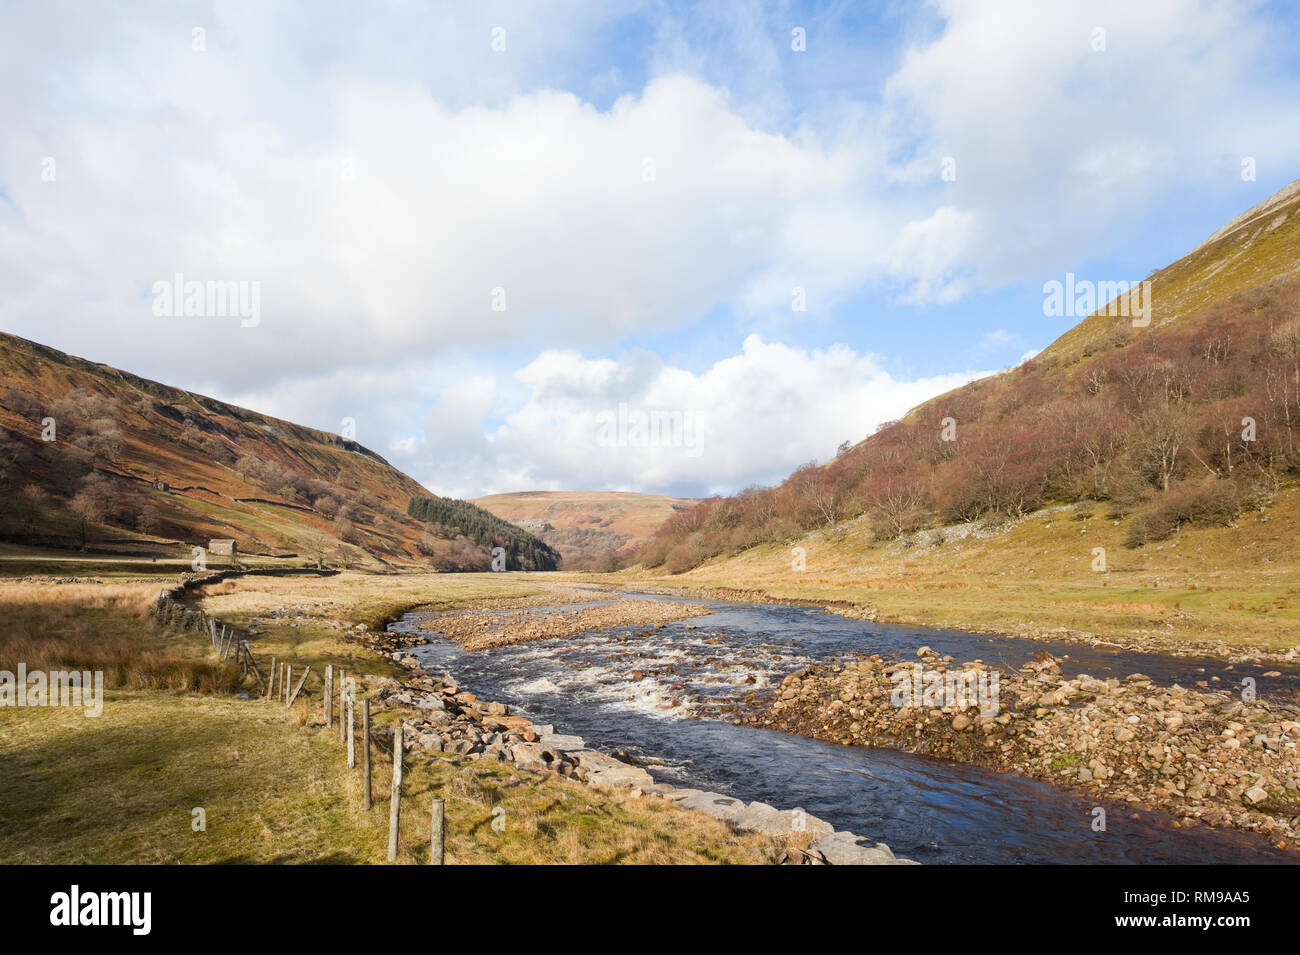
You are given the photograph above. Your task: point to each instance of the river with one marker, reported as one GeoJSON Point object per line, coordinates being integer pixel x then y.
{"type": "Point", "coordinates": [661, 698]}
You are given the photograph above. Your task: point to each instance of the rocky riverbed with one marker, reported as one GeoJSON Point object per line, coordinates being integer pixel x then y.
{"type": "Point", "coordinates": [438, 716]}
{"type": "Point", "coordinates": [485, 628]}
{"type": "Point", "coordinates": [1207, 756]}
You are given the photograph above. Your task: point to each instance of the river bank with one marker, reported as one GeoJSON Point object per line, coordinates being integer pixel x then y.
{"type": "Point", "coordinates": [1204, 756]}
{"type": "Point", "coordinates": [451, 731]}
{"type": "Point", "coordinates": [669, 699]}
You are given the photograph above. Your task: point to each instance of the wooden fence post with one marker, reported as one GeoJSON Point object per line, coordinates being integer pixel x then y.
{"type": "Point", "coordinates": [436, 832]}
{"type": "Point", "coordinates": [250, 666]}
{"type": "Point", "coordinates": [298, 689]}
{"type": "Point", "coordinates": [343, 689]}
{"type": "Point", "coordinates": [329, 695]}
{"type": "Point", "coordinates": [365, 752]}
{"type": "Point", "coordinates": [270, 681]}
{"type": "Point", "coordinates": [352, 734]}
{"type": "Point", "coordinates": [395, 802]}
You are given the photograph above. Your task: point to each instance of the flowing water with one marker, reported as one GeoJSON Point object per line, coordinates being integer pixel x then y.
{"type": "Point", "coordinates": [661, 697]}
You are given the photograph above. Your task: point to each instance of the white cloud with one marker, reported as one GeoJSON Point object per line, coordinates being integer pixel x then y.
{"type": "Point", "coordinates": [752, 416]}
{"type": "Point", "coordinates": [1054, 141]}
{"type": "Point", "coordinates": [933, 250]}
{"type": "Point", "coordinates": [996, 340]}
{"type": "Point", "coordinates": [544, 198]}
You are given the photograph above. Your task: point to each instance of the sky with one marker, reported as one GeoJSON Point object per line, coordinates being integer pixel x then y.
{"type": "Point", "coordinates": [666, 247]}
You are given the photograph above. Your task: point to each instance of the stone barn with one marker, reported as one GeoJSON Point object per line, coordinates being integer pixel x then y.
{"type": "Point", "coordinates": [223, 545]}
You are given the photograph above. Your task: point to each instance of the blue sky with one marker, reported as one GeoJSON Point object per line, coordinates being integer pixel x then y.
{"type": "Point", "coordinates": [381, 170]}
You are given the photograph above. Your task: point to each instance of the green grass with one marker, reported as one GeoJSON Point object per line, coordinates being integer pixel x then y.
{"type": "Point", "coordinates": [275, 789]}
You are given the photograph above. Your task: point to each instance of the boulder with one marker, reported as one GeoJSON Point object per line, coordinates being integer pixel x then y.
{"type": "Point", "coordinates": [845, 848]}
{"type": "Point", "coordinates": [608, 771]}
{"type": "Point", "coordinates": [562, 741]}
{"type": "Point", "coordinates": [713, 804]}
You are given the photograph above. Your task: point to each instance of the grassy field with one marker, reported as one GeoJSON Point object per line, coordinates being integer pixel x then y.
{"type": "Point", "coordinates": [1237, 585]}
{"type": "Point", "coordinates": [103, 627]}
{"type": "Point", "coordinates": [307, 632]}
{"type": "Point", "coordinates": [275, 789]}
{"type": "Point", "coordinates": [176, 736]}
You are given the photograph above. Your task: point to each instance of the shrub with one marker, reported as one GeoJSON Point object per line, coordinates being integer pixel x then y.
{"type": "Point", "coordinates": [1203, 503]}
{"type": "Point", "coordinates": [1199, 503]}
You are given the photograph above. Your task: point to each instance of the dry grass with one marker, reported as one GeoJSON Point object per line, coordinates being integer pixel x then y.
{"type": "Point", "coordinates": [1242, 260]}
{"type": "Point", "coordinates": [364, 598]}
{"type": "Point", "coordinates": [308, 635]}
{"type": "Point", "coordinates": [103, 627]}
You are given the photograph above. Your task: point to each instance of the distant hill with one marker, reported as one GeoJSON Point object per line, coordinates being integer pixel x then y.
{"type": "Point", "coordinates": [591, 529]}
{"type": "Point", "coordinates": [1181, 408]}
{"type": "Point", "coordinates": [96, 456]}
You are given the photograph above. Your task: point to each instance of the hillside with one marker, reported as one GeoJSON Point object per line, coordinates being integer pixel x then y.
{"type": "Point", "coordinates": [592, 529]}
{"type": "Point", "coordinates": [96, 457]}
{"type": "Point", "coordinates": [1255, 249]}
{"type": "Point", "coordinates": [1192, 420]}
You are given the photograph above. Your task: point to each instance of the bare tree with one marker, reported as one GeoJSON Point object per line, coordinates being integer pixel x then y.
{"type": "Point", "coordinates": [1161, 432]}
{"type": "Point", "coordinates": [91, 504]}
{"type": "Point", "coordinates": [33, 502]}
{"type": "Point", "coordinates": [346, 531]}
{"type": "Point", "coordinates": [149, 520]}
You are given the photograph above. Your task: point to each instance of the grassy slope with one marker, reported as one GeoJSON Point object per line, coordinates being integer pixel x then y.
{"type": "Point", "coordinates": [1253, 249]}
{"type": "Point", "coordinates": [1245, 254]}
